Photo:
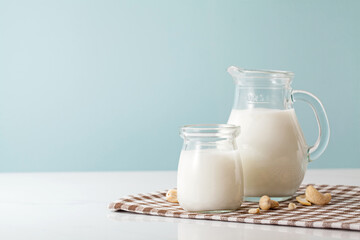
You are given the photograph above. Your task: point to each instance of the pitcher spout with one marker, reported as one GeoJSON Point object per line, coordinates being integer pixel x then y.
{"type": "Point", "coordinates": [235, 71]}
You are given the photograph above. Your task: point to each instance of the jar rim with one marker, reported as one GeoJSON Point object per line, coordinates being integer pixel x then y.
{"type": "Point", "coordinates": [210, 130]}
{"type": "Point", "coordinates": [240, 73]}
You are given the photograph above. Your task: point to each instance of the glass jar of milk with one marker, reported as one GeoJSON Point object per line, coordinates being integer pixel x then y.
{"type": "Point", "coordinates": [272, 146]}
{"type": "Point", "coordinates": [210, 172]}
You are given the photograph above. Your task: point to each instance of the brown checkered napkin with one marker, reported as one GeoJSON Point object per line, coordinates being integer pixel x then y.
{"type": "Point", "coordinates": [343, 212]}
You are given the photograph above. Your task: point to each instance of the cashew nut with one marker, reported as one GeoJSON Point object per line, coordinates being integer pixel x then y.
{"type": "Point", "coordinates": [315, 197]}
{"type": "Point", "coordinates": [292, 206]}
{"type": "Point", "coordinates": [171, 196]}
{"type": "Point", "coordinates": [266, 203]}
{"type": "Point", "coordinates": [274, 204]}
{"type": "Point", "coordinates": [254, 210]}
{"type": "Point", "coordinates": [301, 199]}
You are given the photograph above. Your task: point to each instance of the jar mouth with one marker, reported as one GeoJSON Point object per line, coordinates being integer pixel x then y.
{"type": "Point", "coordinates": [210, 130]}
{"type": "Point", "coordinates": [260, 76]}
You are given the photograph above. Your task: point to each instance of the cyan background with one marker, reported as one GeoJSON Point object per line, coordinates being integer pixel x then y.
{"type": "Point", "coordinates": [105, 85]}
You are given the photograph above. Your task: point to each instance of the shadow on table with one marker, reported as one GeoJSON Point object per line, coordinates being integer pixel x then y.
{"type": "Point", "coordinates": [206, 229]}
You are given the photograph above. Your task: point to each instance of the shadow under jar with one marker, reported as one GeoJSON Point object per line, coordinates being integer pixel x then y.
{"type": "Point", "coordinates": [210, 173]}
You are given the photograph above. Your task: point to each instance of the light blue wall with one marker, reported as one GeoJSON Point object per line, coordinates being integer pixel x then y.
{"type": "Point", "coordinates": [105, 85]}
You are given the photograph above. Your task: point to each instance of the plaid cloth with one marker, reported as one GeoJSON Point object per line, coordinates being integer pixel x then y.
{"type": "Point", "coordinates": [343, 212]}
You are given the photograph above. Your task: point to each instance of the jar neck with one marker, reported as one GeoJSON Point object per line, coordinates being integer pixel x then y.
{"type": "Point", "coordinates": [225, 144]}
{"type": "Point", "coordinates": [209, 136]}
{"type": "Point", "coordinates": [273, 97]}
{"type": "Point", "coordinates": [261, 88]}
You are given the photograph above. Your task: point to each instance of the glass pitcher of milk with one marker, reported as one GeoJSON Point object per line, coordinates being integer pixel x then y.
{"type": "Point", "coordinates": [209, 172]}
{"type": "Point", "coordinates": [272, 146]}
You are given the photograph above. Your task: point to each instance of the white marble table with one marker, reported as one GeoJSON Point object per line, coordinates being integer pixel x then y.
{"type": "Point", "coordinates": [74, 206]}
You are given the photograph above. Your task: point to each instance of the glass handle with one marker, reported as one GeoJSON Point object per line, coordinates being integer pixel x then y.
{"type": "Point", "coordinates": [323, 123]}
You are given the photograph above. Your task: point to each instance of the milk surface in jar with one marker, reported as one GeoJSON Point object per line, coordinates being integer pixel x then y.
{"type": "Point", "coordinates": [273, 151]}
{"type": "Point", "coordinates": [209, 172]}
{"type": "Point", "coordinates": [210, 180]}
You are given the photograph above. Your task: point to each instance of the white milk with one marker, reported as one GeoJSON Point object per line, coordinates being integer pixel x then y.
{"type": "Point", "coordinates": [210, 180]}
{"type": "Point", "coordinates": [273, 151]}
